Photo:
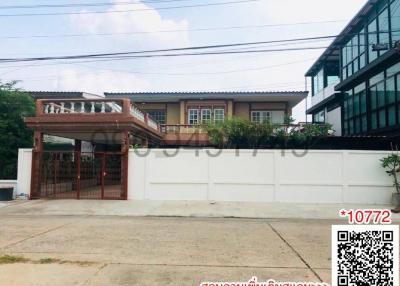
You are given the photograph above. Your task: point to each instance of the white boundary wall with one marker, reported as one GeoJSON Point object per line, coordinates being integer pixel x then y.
{"type": "Point", "coordinates": [269, 176]}
{"type": "Point", "coordinates": [24, 171]}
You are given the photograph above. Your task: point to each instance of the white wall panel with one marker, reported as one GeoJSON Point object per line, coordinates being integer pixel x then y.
{"type": "Point", "coordinates": [266, 176]}
{"type": "Point", "coordinates": [318, 176]}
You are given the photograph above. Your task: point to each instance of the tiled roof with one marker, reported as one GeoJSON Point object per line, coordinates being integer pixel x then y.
{"type": "Point", "coordinates": [207, 93]}
{"type": "Point", "coordinates": [59, 94]}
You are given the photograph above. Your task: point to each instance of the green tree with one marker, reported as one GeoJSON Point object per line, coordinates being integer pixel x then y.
{"type": "Point", "coordinates": [14, 106]}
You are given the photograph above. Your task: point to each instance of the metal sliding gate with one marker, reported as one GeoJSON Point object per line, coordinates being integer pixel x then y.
{"type": "Point", "coordinates": [79, 175]}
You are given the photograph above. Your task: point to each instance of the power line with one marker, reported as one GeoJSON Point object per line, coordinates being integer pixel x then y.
{"type": "Point", "coordinates": [199, 73]}
{"type": "Point", "coordinates": [172, 31]}
{"type": "Point", "coordinates": [148, 53]}
{"type": "Point", "coordinates": [129, 10]}
{"type": "Point", "coordinates": [105, 55]}
{"type": "Point", "coordinates": [189, 54]}
{"type": "Point", "coordinates": [69, 5]}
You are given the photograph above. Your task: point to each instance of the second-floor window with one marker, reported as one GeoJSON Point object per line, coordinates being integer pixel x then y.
{"type": "Point", "coordinates": [219, 115]}
{"type": "Point", "coordinates": [205, 115]}
{"type": "Point", "coordinates": [158, 115]}
{"type": "Point", "coordinates": [261, 116]}
{"type": "Point", "coordinates": [273, 116]}
{"type": "Point", "coordinates": [193, 116]}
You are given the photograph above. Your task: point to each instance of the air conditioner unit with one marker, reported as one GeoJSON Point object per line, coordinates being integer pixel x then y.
{"type": "Point", "coordinates": [380, 47]}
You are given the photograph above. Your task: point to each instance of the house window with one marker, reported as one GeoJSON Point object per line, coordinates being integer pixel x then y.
{"type": "Point", "coordinates": [158, 115]}
{"type": "Point", "coordinates": [319, 117]}
{"type": "Point", "coordinates": [219, 115]}
{"type": "Point", "coordinates": [261, 116]}
{"type": "Point", "coordinates": [205, 116]}
{"type": "Point", "coordinates": [193, 116]}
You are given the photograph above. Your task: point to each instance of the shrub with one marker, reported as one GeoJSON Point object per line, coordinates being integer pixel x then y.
{"type": "Point", "coordinates": [241, 133]}
{"type": "Point", "coordinates": [392, 164]}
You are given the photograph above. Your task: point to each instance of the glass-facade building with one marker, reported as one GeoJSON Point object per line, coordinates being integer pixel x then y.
{"type": "Point", "coordinates": [368, 53]}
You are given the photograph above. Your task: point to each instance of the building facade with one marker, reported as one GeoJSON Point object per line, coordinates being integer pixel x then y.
{"type": "Point", "coordinates": [193, 108]}
{"type": "Point", "coordinates": [356, 82]}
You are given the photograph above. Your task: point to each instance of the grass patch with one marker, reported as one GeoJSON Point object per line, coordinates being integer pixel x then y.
{"type": "Point", "coordinates": [48, 261]}
{"type": "Point", "coordinates": [9, 259]}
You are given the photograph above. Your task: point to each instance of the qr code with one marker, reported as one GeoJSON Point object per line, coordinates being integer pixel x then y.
{"type": "Point", "coordinates": [365, 255]}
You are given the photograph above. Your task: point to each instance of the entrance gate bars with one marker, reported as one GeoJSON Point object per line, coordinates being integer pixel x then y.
{"type": "Point", "coordinates": [79, 175]}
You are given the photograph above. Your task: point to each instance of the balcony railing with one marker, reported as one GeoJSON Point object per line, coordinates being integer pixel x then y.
{"type": "Point", "coordinates": [191, 129]}
{"type": "Point", "coordinates": [94, 107]}
{"type": "Point", "coordinates": [182, 129]}
{"type": "Point", "coordinates": [137, 113]}
{"type": "Point", "coordinates": [323, 94]}
{"type": "Point", "coordinates": [78, 107]}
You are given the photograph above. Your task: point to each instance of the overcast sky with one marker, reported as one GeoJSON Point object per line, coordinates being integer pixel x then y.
{"type": "Point", "coordinates": [275, 20]}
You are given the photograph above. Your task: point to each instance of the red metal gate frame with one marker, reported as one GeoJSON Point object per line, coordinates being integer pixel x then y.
{"type": "Point", "coordinates": [37, 169]}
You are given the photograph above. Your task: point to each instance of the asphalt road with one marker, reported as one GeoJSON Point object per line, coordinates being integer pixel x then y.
{"type": "Point", "coordinates": [118, 250]}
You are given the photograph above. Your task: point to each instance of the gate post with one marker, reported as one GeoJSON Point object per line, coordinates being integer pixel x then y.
{"type": "Point", "coordinates": [36, 163]}
{"type": "Point", "coordinates": [124, 164]}
{"type": "Point", "coordinates": [78, 148]}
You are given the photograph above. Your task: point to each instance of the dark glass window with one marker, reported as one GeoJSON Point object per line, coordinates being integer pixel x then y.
{"type": "Point", "coordinates": [395, 20]}
{"type": "Point", "coordinates": [350, 105]}
{"type": "Point", "coordinates": [356, 104]}
{"type": "Point", "coordinates": [158, 115]}
{"type": "Point", "coordinates": [318, 81]}
{"type": "Point", "coordinates": [344, 56]}
{"type": "Point", "coordinates": [363, 102]}
{"type": "Point", "coordinates": [383, 20]}
{"type": "Point", "coordinates": [374, 120]}
{"type": "Point", "coordinates": [382, 118]}
{"type": "Point", "coordinates": [373, 93]}
{"type": "Point", "coordinates": [364, 126]}
{"type": "Point", "coordinates": [362, 61]}
{"type": "Point", "coordinates": [362, 41]}
{"type": "Point", "coordinates": [345, 115]}
{"type": "Point", "coordinates": [390, 91]}
{"type": "Point", "coordinates": [357, 126]}
{"type": "Point", "coordinates": [393, 70]}
{"type": "Point", "coordinates": [372, 39]}
{"type": "Point", "coordinates": [355, 108]}
{"type": "Point", "coordinates": [381, 94]}
{"type": "Point", "coordinates": [354, 44]}
{"type": "Point", "coordinates": [351, 127]}
{"type": "Point", "coordinates": [392, 115]}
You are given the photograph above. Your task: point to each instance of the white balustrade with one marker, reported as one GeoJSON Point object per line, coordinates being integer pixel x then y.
{"type": "Point", "coordinates": [72, 107]}
{"type": "Point", "coordinates": [82, 107]}
{"type": "Point", "coordinates": [92, 107]}
{"type": "Point", "coordinates": [137, 113]}
{"type": "Point", "coordinates": [152, 124]}
{"type": "Point", "coordinates": [52, 108]}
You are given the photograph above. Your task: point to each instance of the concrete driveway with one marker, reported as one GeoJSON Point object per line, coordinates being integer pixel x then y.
{"type": "Point", "coordinates": [123, 250]}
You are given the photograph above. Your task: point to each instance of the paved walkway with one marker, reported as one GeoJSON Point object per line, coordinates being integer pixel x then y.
{"type": "Point", "coordinates": [183, 209]}
{"type": "Point", "coordinates": [92, 243]}
{"type": "Point", "coordinates": [112, 250]}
